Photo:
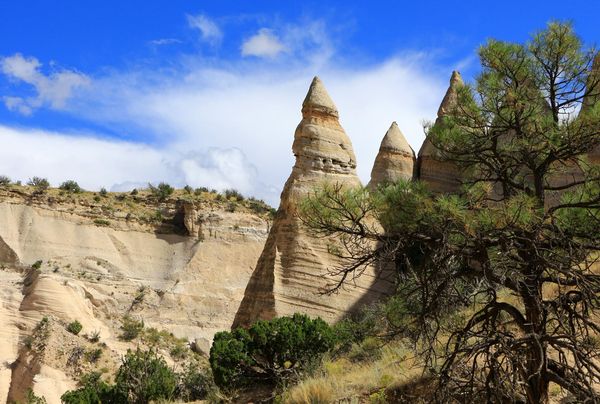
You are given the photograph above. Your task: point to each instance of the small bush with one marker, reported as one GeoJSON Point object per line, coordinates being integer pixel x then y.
{"type": "Point", "coordinates": [31, 398]}
{"type": "Point", "coordinates": [94, 336]}
{"type": "Point", "coordinates": [37, 265]}
{"type": "Point", "coordinates": [162, 191]}
{"type": "Point", "coordinates": [70, 186]}
{"type": "Point", "coordinates": [93, 355]}
{"type": "Point", "coordinates": [101, 222]}
{"type": "Point", "coordinates": [93, 391]}
{"type": "Point", "coordinates": [4, 180]}
{"type": "Point", "coordinates": [134, 192]}
{"type": "Point", "coordinates": [199, 191]}
{"type": "Point", "coordinates": [235, 194]}
{"type": "Point", "coordinates": [103, 191]}
{"type": "Point", "coordinates": [74, 327]}
{"type": "Point", "coordinates": [194, 383]}
{"type": "Point", "coordinates": [188, 189]}
{"type": "Point", "coordinates": [271, 351]}
{"type": "Point", "coordinates": [97, 198]}
{"type": "Point", "coordinates": [40, 184]}
{"type": "Point", "coordinates": [144, 376]}
{"type": "Point", "coordinates": [131, 328]}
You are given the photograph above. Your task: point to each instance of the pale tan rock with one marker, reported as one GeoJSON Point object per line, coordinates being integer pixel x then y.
{"type": "Point", "coordinates": [190, 219]}
{"type": "Point", "coordinates": [395, 160]}
{"type": "Point", "coordinates": [441, 176]}
{"type": "Point", "coordinates": [292, 271]}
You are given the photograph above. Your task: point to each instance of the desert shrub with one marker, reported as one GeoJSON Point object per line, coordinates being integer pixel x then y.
{"type": "Point", "coordinates": [144, 376]}
{"type": "Point", "coordinates": [194, 383]}
{"type": "Point", "coordinates": [93, 391]}
{"type": "Point", "coordinates": [97, 198]}
{"type": "Point", "coordinates": [74, 327]}
{"type": "Point", "coordinates": [94, 336]}
{"type": "Point", "coordinates": [103, 191]}
{"type": "Point", "coordinates": [134, 191]}
{"type": "Point", "coordinates": [4, 180]}
{"type": "Point", "coordinates": [93, 355]}
{"type": "Point", "coordinates": [199, 191]}
{"type": "Point", "coordinates": [231, 207]}
{"type": "Point", "coordinates": [70, 186]}
{"type": "Point", "coordinates": [130, 328]}
{"type": "Point", "coordinates": [269, 351]}
{"type": "Point", "coordinates": [31, 398]}
{"type": "Point", "coordinates": [101, 222]}
{"type": "Point", "coordinates": [188, 189]}
{"type": "Point", "coordinates": [40, 184]}
{"type": "Point", "coordinates": [162, 191]}
{"type": "Point", "coordinates": [37, 265]}
{"type": "Point", "coordinates": [367, 350]}
{"type": "Point", "coordinates": [235, 194]}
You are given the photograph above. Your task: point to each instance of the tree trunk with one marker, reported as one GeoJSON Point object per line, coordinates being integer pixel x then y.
{"type": "Point", "coordinates": [537, 379]}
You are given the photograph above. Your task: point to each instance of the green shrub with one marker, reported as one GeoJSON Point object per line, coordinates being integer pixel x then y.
{"type": "Point", "coordinates": [70, 186]}
{"type": "Point", "coordinates": [37, 265]}
{"type": "Point", "coordinates": [199, 191]}
{"type": "Point", "coordinates": [74, 327]}
{"type": "Point", "coordinates": [269, 351]}
{"type": "Point", "coordinates": [103, 191]}
{"type": "Point", "coordinates": [94, 336]}
{"type": "Point", "coordinates": [93, 391]}
{"type": "Point", "coordinates": [235, 194]}
{"type": "Point", "coordinates": [162, 191]}
{"type": "Point", "coordinates": [134, 192]}
{"type": "Point", "coordinates": [131, 328]}
{"type": "Point", "coordinates": [188, 189]}
{"type": "Point", "coordinates": [31, 398]}
{"type": "Point", "coordinates": [194, 383]}
{"type": "Point", "coordinates": [40, 184]}
{"type": "Point", "coordinates": [4, 180]}
{"type": "Point", "coordinates": [101, 222]}
{"type": "Point", "coordinates": [145, 376]}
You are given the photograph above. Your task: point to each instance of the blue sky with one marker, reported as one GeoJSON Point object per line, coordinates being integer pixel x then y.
{"type": "Point", "coordinates": [118, 94]}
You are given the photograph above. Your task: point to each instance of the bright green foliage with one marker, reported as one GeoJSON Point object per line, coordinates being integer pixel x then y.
{"type": "Point", "coordinates": [74, 327]}
{"type": "Point", "coordinates": [194, 383]}
{"type": "Point", "coordinates": [145, 376]}
{"type": "Point", "coordinates": [269, 351]}
{"type": "Point", "coordinates": [71, 186]}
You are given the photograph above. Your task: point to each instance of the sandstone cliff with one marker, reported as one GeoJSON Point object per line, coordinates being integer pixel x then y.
{"type": "Point", "coordinates": [102, 260]}
{"type": "Point", "coordinates": [395, 160]}
{"type": "Point", "coordinates": [441, 176]}
{"type": "Point", "coordinates": [293, 269]}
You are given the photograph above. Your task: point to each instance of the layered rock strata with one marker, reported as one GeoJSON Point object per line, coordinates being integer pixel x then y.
{"type": "Point", "coordinates": [293, 270]}
{"type": "Point", "coordinates": [395, 160]}
{"type": "Point", "coordinates": [441, 176]}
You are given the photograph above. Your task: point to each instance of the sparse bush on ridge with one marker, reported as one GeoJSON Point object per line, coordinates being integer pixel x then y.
{"type": "Point", "coordinates": [162, 191]}
{"type": "Point", "coordinates": [40, 184]}
{"type": "Point", "coordinates": [4, 180]}
{"type": "Point", "coordinates": [70, 186]}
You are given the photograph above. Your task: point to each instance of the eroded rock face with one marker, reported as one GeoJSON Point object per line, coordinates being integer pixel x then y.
{"type": "Point", "coordinates": [441, 176]}
{"type": "Point", "coordinates": [292, 272]}
{"type": "Point", "coordinates": [395, 160]}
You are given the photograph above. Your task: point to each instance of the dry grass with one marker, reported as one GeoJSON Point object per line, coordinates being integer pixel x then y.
{"type": "Point", "coordinates": [347, 381]}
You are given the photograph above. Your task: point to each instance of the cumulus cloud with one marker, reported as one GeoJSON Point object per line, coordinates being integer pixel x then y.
{"type": "Point", "coordinates": [263, 44]}
{"type": "Point", "coordinates": [209, 29]}
{"type": "Point", "coordinates": [94, 162]}
{"type": "Point", "coordinates": [52, 90]}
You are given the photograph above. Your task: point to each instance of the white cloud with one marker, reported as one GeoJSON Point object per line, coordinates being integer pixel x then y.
{"type": "Point", "coordinates": [51, 90]}
{"type": "Point", "coordinates": [263, 44]}
{"type": "Point", "coordinates": [94, 162]}
{"type": "Point", "coordinates": [209, 30]}
{"type": "Point", "coordinates": [164, 41]}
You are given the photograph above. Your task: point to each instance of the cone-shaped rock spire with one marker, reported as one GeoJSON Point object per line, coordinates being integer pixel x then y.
{"type": "Point", "coordinates": [292, 269]}
{"type": "Point", "coordinates": [395, 160]}
{"type": "Point", "coordinates": [593, 79]}
{"type": "Point", "coordinates": [442, 176]}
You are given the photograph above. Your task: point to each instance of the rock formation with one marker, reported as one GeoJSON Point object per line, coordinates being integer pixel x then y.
{"type": "Point", "coordinates": [441, 176]}
{"type": "Point", "coordinates": [395, 160]}
{"type": "Point", "coordinates": [591, 100]}
{"type": "Point", "coordinates": [292, 271]}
